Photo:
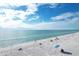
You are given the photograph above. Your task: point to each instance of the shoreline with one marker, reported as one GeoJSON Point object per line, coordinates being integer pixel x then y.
{"type": "Point", "coordinates": [29, 42]}
{"type": "Point", "coordinates": [32, 48]}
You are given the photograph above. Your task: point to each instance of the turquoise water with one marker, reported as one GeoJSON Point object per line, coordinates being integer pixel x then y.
{"type": "Point", "coordinates": [14, 37]}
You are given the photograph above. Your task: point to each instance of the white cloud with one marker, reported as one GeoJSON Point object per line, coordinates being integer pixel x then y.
{"type": "Point", "coordinates": [67, 17]}
{"type": "Point", "coordinates": [8, 12]}
{"type": "Point", "coordinates": [53, 5]}
{"type": "Point", "coordinates": [56, 26]}
{"type": "Point", "coordinates": [34, 18]}
{"type": "Point", "coordinates": [61, 17]}
{"type": "Point", "coordinates": [57, 23]}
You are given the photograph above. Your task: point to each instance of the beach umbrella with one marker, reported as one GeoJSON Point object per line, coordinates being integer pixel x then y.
{"type": "Point", "coordinates": [56, 45]}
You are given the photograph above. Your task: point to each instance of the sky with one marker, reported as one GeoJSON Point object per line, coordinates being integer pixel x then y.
{"type": "Point", "coordinates": [39, 16]}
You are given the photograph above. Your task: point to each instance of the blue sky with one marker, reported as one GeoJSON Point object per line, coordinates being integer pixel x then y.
{"type": "Point", "coordinates": [22, 8]}
{"type": "Point", "coordinates": [49, 16]}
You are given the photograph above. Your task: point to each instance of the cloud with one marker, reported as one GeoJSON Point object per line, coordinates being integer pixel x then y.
{"type": "Point", "coordinates": [12, 13]}
{"type": "Point", "coordinates": [8, 14]}
{"type": "Point", "coordinates": [11, 17]}
{"type": "Point", "coordinates": [57, 26]}
{"type": "Point", "coordinates": [66, 16]}
{"type": "Point", "coordinates": [70, 22]}
{"type": "Point", "coordinates": [33, 18]}
{"type": "Point", "coordinates": [53, 5]}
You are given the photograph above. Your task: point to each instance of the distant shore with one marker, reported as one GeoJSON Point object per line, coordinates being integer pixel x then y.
{"type": "Point", "coordinates": [45, 47]}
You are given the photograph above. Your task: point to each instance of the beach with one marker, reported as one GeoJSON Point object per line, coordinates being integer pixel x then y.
{"type": "Point", "coordinates": [45, 47]}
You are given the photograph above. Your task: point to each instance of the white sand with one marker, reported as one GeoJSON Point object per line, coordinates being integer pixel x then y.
{"type": "Point", "coordinates": [68, 42]}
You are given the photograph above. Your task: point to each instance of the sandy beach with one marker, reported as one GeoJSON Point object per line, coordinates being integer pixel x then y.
{"type": "Point", "coordinates": [45, 47]}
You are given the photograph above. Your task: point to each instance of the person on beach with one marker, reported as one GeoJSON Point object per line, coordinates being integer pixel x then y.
{"type": "Point", "coordinates": [51, 40]}
{"type": "Point", "coordinates": [40, 43]}
{"type": "Point", "coordinates": [19, 49]}
{"type": "Point", "coordinates": [56, 38]}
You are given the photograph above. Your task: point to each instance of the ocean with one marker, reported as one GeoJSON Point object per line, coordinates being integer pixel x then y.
{"type": "Point", "coordinates": [14, 37]}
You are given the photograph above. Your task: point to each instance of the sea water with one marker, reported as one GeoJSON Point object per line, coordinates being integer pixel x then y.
{"type": "Point", "coordinates": [14, 37]}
